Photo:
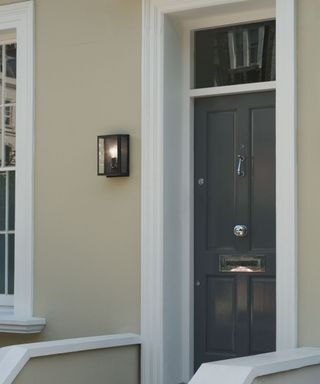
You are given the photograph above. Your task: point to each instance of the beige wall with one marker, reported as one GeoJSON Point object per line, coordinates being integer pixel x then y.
{"type": "Point", "coordinates": [87, 262]}
{"type": "Point", "coordinates": [308, 167]}
{"type": "Point", "coordinates": [87, 228]}
{"type": "Point", "coordinates": [94, 367]}
{"type": "Point", "coordinates": [308, 375]}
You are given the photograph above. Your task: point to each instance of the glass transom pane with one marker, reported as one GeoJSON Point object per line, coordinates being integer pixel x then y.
{"type": "Point", "coordinates": [235, 55]}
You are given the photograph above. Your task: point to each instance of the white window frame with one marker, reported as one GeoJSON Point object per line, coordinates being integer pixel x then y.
{"type": "Point", "coordinates": [19, 318]}
{"type": "Point", "coordinates": [9, 37]}
{"type": "Point", "coordinates": [155, 328]}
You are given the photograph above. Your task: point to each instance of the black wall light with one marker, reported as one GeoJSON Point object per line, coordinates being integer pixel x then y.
{"type": "Point", "coordinates": [113, 155]}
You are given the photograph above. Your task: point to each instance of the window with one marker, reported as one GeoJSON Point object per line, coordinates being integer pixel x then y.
{"type": "Point", "coordinates": [16, 169]}
{"type": "Point", "coordinates": [8, 57]}
{"type": "Point", "coordinates": [235, 55]}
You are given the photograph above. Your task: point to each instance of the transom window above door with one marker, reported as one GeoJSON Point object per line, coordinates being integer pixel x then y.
{"type": "Point", "coordinates": [235, 55]}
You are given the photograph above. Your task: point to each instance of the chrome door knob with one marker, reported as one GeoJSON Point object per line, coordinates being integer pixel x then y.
{"type": "Point", "coordinates": [240, 231]}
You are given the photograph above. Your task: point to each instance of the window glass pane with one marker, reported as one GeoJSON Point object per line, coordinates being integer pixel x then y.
{"type": "Point", "coordinates": [235, 55]}
{"type": "Point", "coordinates": [1, 138]}
{"type": "Point", "coordinates": [1, 72]}
{"type": "Point", "coordinates": [10, 264]}
{"type": "Point", "coordinates": [2, 201]}
{"type": "Point", "coordinates": [2, 264]}
{"type": "Point", "coordinates": [10, 135]}
{"type": "Point", "coordinates": [12, 200]}
{"type": "Point", "coordinates": [11, 61]}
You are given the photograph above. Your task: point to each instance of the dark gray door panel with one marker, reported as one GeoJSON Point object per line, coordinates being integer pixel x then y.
{"type": "Point", "coordinates": [263, 178]}
{"type": "Point", "coordinates": [234, 309]}
{"type": "Point", "coordinates": [263, 308]}
{"type": "Point", "coordinates": [220, 179]}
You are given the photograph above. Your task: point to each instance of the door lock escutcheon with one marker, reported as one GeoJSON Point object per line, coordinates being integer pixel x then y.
{"type": "Point", "coordinates": [240, 231]}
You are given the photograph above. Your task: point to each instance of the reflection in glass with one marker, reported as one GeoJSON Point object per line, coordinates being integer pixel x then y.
{"type": "Point", "coordinates": [2, 264]}
{"type": "Point", "coordinates": [8, 55]}
{"type": "Point", "coordinates": [11, 73]}
{"type": "Point", "coordinates": [1, 138]}
{"type": "Point", "coordinates": [12, 199]}
{"type": "Point", "coordinates": [10, 264]}
{"type": "Point", "coordinates": [11, 60]}
{"type": "Point", "coordinates": [1, 73]}
{"type": "Point", "coordinates": [10, 135]}
{"type": "Point", "coordinates": [235, 55]}
{"type": "Point", "coordinates": [2, 201]}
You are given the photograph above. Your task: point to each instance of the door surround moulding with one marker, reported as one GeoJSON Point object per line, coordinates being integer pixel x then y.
{"type": "Point", "coordinates": [153, 146]}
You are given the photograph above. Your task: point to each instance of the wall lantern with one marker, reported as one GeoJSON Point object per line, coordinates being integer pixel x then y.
{"type": "Point", "coordinates": [113, 155]}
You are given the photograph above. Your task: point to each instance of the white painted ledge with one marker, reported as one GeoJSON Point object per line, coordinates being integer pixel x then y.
{"type": "Point", "coordinates": [19, 324]}
{"type": "Point", "coordinates": [233, 89]}
{"type": "Point", "coordinates": [14, 358]}
{"type": "Point", "coordinates": [245, 369]}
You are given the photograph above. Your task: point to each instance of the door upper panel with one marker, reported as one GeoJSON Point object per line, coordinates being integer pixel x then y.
{"type": "Point", "coordinates": [235, 146]}
{"type": "Point", "coordinates": [221, 140]}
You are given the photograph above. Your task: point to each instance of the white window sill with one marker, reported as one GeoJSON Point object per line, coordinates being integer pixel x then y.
{"type": "Point", "coordinates": [10, 323]}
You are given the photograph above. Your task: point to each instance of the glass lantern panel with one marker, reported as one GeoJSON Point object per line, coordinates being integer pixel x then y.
{"type": "Point", "coordinates": [101, 152]}
{"type": "Point", "coordinates": [112, 155]}
{"type": "Point", "coordinates": [124, 154]}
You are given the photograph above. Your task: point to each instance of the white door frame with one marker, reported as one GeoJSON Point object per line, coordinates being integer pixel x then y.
{"type": "Point", "coordinates": [155, 332]}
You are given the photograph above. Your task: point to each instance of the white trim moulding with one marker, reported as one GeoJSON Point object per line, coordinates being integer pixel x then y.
{"type": "Point", "coordinates": [14, 358]}
{"type": "Point", "coordinates": [233, 89]}
{"type": "Point", "coordinates": [24, 239]}
{"type": "Point", "coordinates": [152, 195]}
{"type": "Point", "coordinates": [286, 175]}
{"type": "Point", "coordinates": [18, 324]}
{"type": "Point", "coordinates": [20, 17]}
{"type": "Point", "coordinates": [171, 6]}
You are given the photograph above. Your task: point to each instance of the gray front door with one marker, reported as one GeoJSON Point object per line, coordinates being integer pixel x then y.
{"type": "Point", "coordinates": [235, 239]}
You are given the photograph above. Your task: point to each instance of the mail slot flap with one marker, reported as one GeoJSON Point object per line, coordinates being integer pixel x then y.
{"type": "Point", "coordinates": [243, 263]}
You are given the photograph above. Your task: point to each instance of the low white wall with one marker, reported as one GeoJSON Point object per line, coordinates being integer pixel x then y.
{"type": "Point", "coordinates": [71, 358]}
{"type": "Point", "coordinates": [299, 365]}
{"type": "Point", "coordinates": [113, 366]}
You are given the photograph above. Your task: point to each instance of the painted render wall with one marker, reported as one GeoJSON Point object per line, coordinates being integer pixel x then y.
{"type": "Point", "coordinates": [87, 228]}
{"type": "Point", "coordinates": [308, 168]}
{"type": "Point", "coordinates": [87, 235]}
{"type": "Point", "coordinates": [308, 375]}
{"type": "Point", "coordinates": [112, 366]}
